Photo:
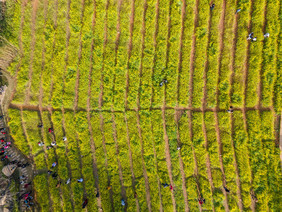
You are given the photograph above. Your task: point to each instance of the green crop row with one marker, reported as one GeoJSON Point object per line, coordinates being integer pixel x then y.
{"type": "Point", "coordinates": [148, 58]}
{"type": "Point", "coordinates": [200, 58]}
{"type": "Point", "coordinates": [212, 56]}
{"type": "Point", "coordinates": [255, 54]}
{"type": "Point", "coordinates": [224, 76]}
{"type": "Point", "coordinates": [270, 49]}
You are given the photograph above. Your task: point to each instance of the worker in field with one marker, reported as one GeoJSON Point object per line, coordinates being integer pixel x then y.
{"type": "Point", "coordinates": [165, 185]}
{"type": "Point", "coordinates": [250, 36]}
{"type": "Point", "coordinates": [53, 143]}
{"type": "Point", "coordinates": [2, 140]}
{"type": "Point", "coordinates": [68, 181]}
{"type": "Point", "coordinates": [49, 147]}
{"type": "Point", "coordinates": [80, 180]}
{"type": "Point", "coordinates": [230, 110]}
{"type": "Point", "coordinates": [122, 202]}
{"type": "Point", "coordinates": [164, 81]}
{"type": "Point", "coordinates": [212, 7]}
{"type": "Point", "coordinates": [226, 189]}
{"type": "Point", "coordinates": [266, 35]}
{"type": "Point", "coordinates": [49, 172]}
{"type": "Point", "coordinates": [40, 125]}
{"type": "Point", "coordinates": [64, 138]}
{"type": "Point", "coordinates": [98, 194]}
{"type": "Point", "coordinates": [54, 164]}
{"type": "Point", "coordinates": [170, 187]}
{"type": "Point", "coordinates": [50, 130]}
{"type": "Point", "coordinates": [254, 39]}
{"type": "Point", "coordinates": [84, 203]}
{"type": "Point", "coordinates": [238, 10]}
{"type": "Point", "coordinates": [109, 187]}
{"type": "Point", "coordinates": [54, 175]}
{"type": "Point", "coordinates": [2, 116]}
{"type": "Point", "coordinates": [40, 143]}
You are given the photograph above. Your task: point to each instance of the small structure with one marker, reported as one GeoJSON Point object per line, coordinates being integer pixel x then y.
{"type": "Point", "coordinates": [9, 170]}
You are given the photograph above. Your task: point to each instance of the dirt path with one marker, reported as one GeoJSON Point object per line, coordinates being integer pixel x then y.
{"type": "Point", "coordinates": [32, 48]}
{"type": "Point", "coordinates": [168, 161]}
{"type": "Point", "coordinates": [131, 27]}
{"type": "Point", "coordinates": [280, 141]}
{"type": "Point", "coordinates": [155, 50]}
{"type": "Point", "coordinates": [123, 191]}
{"type": "Point", "coordinates": [193, 52]}
{"type": "Point", "coordinates": [79, 57]}
{"type": "Point", "coordinates": [147, 184]}
{"type": "Point", "coordinates": [131, 162]}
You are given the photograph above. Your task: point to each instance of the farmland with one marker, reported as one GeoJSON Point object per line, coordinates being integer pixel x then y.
{"type": "Point", "coordinates": [91, 70]}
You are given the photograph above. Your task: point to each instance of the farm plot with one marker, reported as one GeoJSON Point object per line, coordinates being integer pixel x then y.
{"type": "Point", "coordinates": [141, 90]}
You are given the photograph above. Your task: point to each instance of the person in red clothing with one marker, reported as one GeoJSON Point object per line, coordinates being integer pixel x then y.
{"type": "Point", "coordinates": [170, 187]}
{"type": "Point", "coordinates": [201, 200]}
{"type": "Point", "coordinates": [50, 130]}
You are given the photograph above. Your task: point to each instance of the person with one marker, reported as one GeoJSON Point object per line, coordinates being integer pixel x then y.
{"type": "Point", "coordinates": [40, 143]}
{"type": "Point", "coordinates": [84, 203]}
{"type": "Point", "coordinates": [50, 130]}
{"type": "Point", "coordinates": [200, 201]}
{"type": "Point", "coordinates": [266, 35]}
{"type": "Point", "coordinates": [68, 181]}
{"type": "Point", "coordinates": [170, 187]}
{"type": "Point", "coordinates": [230, 110]}
{"type": "Point", "coordinates": [80, 180]}
{"type": "Point", "coordinates": [3, 132]}
{"type": "Point", "coordinates": [26, 185]}
{"type": "Point", "coordinates": [109, 187]}
{"type": "Point", "coordinates": [53, 143]}
{"type": "Point", "coordinates": [2, 129]}
{"type": "Point", "coordinates": [178, 148]}
{"type": "Point", "coordinates": [250, 36]}
{"type": "Point", "coordinates": [58, 184]}
{"type": "Point", "coordinates": [64, 138]}
{"type": "Point", "coordinates": [165, 185]}
{"type": "Point", "coordinates": [22, 177]}
{"type": "Point", "coordinates": [122, 202]}
{"type": "Point", "coordinates": [54, 175]}
{"type": "Point", "coordinates": [2, 140]}
{"type": "Point", "coordinates": [254, 39]}
{"type": "Point", "coordinates": [97, 195]}
{"type": "Point", "coordinates": [135, 195]}
{"type": "Point", "coordinates": [54, 164]}
{"type": "Point", "coordinates": [49, 172]}
{"type": "Point", "coordinates": [238, 10]}
{"type": "Point", "coordinates": [164, 81]}
{"type": "Point", "coordinates": [226, 189]}
{"type": "Point", "coordinates": [25, 165]}
{"type": "Point", "coordinates": [40, 125]}
{"type": "Point", "coordinates": [212, 7]}
{"type": "Point", "coordinates": [161, 84]}
{"type": "Point", "coordinates": [49, 147]}
{"type": "Point", "coordinates": [1, 117]}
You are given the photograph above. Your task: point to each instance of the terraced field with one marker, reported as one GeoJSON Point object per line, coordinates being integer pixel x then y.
{"type": "Point", "coordinates": [92, 70]}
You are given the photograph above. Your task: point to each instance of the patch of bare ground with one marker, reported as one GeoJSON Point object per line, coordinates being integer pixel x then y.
{"type": "Point", "coordinates": [193, 52]}
{"type": "Point", "coordinates": [280, 140]}
{"type": "Point", "coordinates": [147, 185]}
{"type": "Point", "coordinates": [79, 57]}
{"type": "Point", "coordinates": [32, 46]}
{"type": "Point", "coordinates": [131, 162]}
{"type": "Point", "coordinates": [168, 160]}
{"type": "Point", "coordinates": [155, 49]}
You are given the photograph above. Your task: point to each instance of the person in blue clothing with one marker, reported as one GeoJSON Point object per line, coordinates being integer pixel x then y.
{"type": "Point", "coordinates": [122, 202]}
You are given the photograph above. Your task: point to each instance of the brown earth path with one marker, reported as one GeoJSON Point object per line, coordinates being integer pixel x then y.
{"type": "Point", "coordinates": [155, 49]}
{"type": "Point", "coordinates": [131, 163]}
{"type": "Point", "coordinates": [123, 190]}
{"type": "Point", "coordinates": [280, 141]}
{"type": "Point", "coordinates": [79, 56]}
{"type": "Point", "coordinates": [193, 52]}
{"type": "Point", "coordinates": [32, 48]}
